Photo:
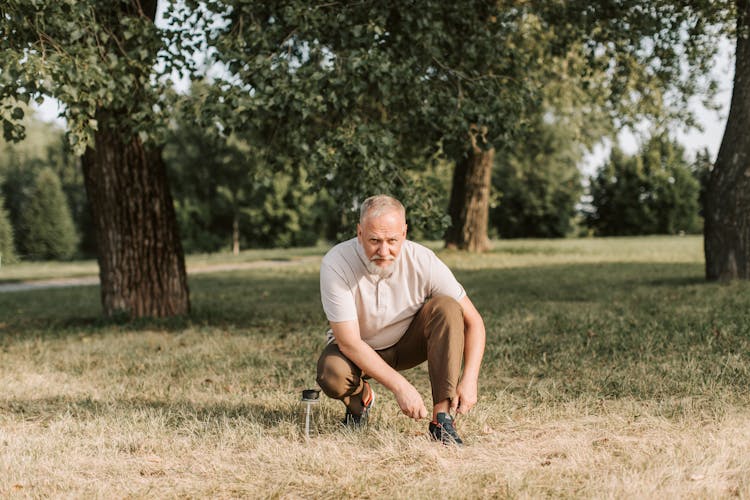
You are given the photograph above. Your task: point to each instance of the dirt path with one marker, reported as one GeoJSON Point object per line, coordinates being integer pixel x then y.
{"type": "Point", "coordinates": [195, 269]}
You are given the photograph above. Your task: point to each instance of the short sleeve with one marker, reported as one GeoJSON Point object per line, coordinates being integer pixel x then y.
{"type": "Point", "coordinates": [336, 296]}
{"type": "Point", "coordinates": [442, 280]}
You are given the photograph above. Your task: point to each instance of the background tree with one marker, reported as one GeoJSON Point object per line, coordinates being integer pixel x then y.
{"type": "Point", "coordinates": [44, 146]}
{"type": "Point", "coordinates": [210, 175]}
{"type": "Point", "coordinates": [100, 60]}
{"type": "Point", "coordinates": [371, 91]}
{"type": "Point", "coordinates": [677, 37]}
{"type": "Point", "coordinates": [538, 184]}
{"type": "Point", "coordinates": [653, 192]}
{"type": "Point", "coordinates": [7, 251]}
{"type": "Point", "coordinates": [49, 232]}
{"type": "Point", "coordinates": [615, 198]}
{"type": "Point", "coordinates": [227, 194]}
{"type": "Point", "coordinates": [376, 89]}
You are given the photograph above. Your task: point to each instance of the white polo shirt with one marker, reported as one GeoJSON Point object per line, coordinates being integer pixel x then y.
{"type": "Point", "coordinates": [383, 307]}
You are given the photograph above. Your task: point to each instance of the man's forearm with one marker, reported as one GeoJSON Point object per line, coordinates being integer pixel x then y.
{"type": "Point", "coordinates": [474, 340]}
{"type": "Point", "coordinates": [365, 357]}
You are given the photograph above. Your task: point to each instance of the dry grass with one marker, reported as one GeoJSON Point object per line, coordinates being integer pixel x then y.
{"type": "Point", "coordinates": [620, 376]}
{"type": "Point", "coordinates": [102, 448]}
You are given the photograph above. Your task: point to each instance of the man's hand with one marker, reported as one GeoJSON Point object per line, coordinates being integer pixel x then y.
{"type": "Point", "coordinates": [466, 397]}
{"type": "Point", "coordinates": [410, 401]}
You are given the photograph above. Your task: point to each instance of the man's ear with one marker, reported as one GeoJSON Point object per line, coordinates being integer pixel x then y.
{"type": "Point", "coordinates": [359, 231]}
{"type": "Point", "coordinates": [406, 227]}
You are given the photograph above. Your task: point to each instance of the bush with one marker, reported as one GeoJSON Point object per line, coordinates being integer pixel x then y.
{"type": "Point", "coordinates": [537, 185]}
{"type": "Point", "coordinates": [20, 163]}
{"type": "Point", "coordinates": [48, 225]}
{"type": "Point", "coordinates": [653, 192]}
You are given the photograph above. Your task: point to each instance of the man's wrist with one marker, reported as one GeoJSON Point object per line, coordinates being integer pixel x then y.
{"type": "Point", "coordinates": [398, 384]}
{"type": "Point", "coordinates": [470, 377]}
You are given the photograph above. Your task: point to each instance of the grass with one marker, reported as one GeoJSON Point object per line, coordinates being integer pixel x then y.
{"type": "Point", "coordinates": [613, 370]}
{"type": "Point", "coordinates": [34, 271]}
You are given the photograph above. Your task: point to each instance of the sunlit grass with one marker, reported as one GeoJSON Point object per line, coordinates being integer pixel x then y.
{"type": "Point", "coordinates": [25, 271]}
{"type": "Point", "coordinates": [612, 370]}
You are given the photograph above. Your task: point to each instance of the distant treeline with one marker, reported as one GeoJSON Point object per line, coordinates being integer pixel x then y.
{"type": "Point", "coordinates": [227, 197]}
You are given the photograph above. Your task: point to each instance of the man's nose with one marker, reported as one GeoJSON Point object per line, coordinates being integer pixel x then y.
{"type": "Point", "coordinates": [383, 249]}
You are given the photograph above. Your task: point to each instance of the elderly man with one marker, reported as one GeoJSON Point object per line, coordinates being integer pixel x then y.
{"type": "Point", "coordinates": [392, 304]}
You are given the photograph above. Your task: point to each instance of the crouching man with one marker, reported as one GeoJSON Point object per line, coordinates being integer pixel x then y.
{"type": "Point", "coordinates": [392, 304]}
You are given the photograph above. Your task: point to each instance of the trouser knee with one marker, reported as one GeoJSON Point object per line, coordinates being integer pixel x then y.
{"type": "Point", "coordinates": [446, 310]}
{"type": "Point", "coordinates": [337, 376]}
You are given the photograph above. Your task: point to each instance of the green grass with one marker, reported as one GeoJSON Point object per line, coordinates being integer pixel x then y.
{"type": "Point", "coordinates": [612, 369]}
{"type": "Point", "coordinates": [30, 271]}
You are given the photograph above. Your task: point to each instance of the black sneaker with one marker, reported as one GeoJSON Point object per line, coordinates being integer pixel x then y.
{"type": "Point", "coordinates": [443, 430]}
{"type": "Point", "coordinates": [356, 421]}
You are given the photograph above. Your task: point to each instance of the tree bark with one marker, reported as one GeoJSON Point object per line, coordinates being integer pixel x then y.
{"type": "Point", "coordinates": [470, 196]}
{"type": "Point", "coordinates": [727, 220]}
{"type": "Point", "coordinates": [141, 262]}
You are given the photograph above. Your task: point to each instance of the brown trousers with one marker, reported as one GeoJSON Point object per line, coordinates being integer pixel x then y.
{"type": "Point", "coordinates": [435, 335]}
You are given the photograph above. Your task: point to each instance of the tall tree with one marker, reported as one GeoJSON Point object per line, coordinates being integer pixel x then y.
{"type": "Point", "coordinates": [374, 88]}
{"type": "Point", "coordinates": [727, 213]}
{"type": "Point", "coordinates": [100, 60]}
{"type": "Point", "coordinates": [369, 90]}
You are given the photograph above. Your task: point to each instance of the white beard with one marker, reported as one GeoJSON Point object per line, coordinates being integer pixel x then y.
{"type": "Point", "coordinates": [383, 272]}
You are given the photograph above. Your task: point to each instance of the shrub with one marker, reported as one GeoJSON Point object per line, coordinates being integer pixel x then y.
{"type": "Point", "coordinates": [48, 225]}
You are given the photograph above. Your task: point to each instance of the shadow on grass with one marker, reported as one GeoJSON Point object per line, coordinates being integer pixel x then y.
{"type": "Point", "coordinates": [679, 281]}
{"type": "Point", "coordinates": [175, 414]}
{"type": "Point", "coordinates": [277, 300]}
{"type": "Point", "coordinates": [596, 283]}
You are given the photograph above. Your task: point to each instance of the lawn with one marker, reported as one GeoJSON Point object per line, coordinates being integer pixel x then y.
{"type": "Point", "coordinates": [612, 370]}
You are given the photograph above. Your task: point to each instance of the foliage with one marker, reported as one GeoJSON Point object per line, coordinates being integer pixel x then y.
{"type": "Point", "coordinates": [219, 181]}
{"type": "Point", "coordinates": [642, 59]}
{"type": "Point", "coordinates": [7, 249]}
{"type": "Point", "coordinates": [44, 146]}
{"type": "Point", "coordinates": [653, 192]}
{"type": "Point", "coordinates": [538, 184]}
{"type": "Point", "coordinates": [89, 56]}
{"type": "Point", "coordinates": [364, 93]}
{"type": "Point", "coordinates": [368, 92]}
{"type": "Point", "coordinates": [286, 213]}
{"type": "Point", "coordinates": [48, 226]}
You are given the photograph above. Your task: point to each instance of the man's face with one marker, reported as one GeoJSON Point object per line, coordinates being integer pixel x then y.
{"type": "Point", "coordinates": [382, 237]}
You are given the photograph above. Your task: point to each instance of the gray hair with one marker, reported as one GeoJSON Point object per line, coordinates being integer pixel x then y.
{"type": "Point", "coordinates": [380, 204]}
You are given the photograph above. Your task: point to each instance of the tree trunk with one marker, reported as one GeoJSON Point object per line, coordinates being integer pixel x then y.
{"type": "Point", "coordinates": [236, 234]}
{"type": "Point", "coordinates": [141, 262]}
{"type": "Point", "coordinates": [470, 196]}
{"type": "Point", "coordinates": [727, 221]}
